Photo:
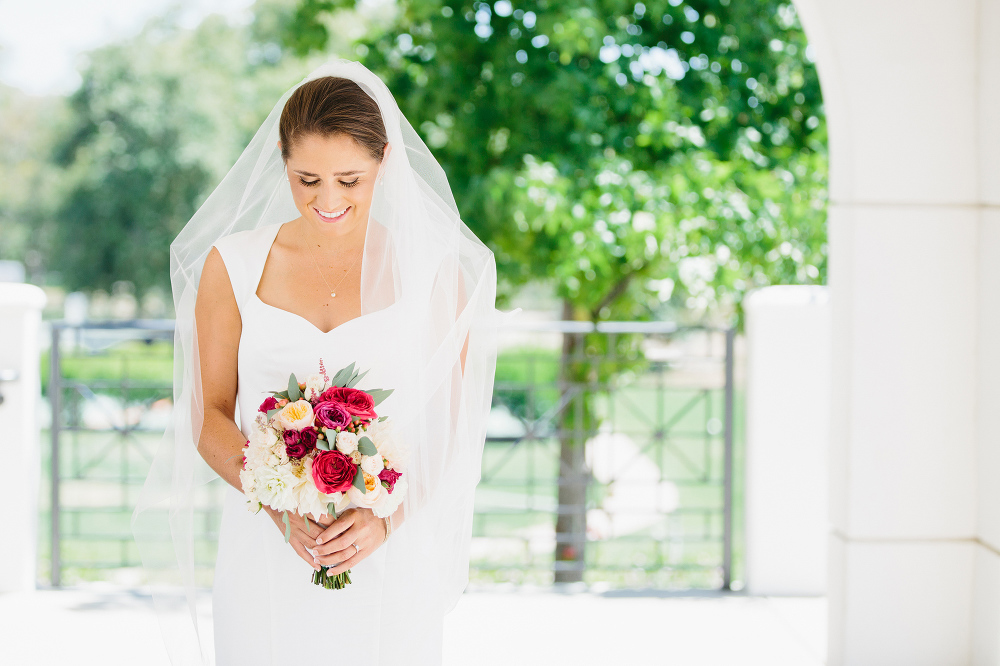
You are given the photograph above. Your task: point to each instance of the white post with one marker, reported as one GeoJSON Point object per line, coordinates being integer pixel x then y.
{"type": "Point", "coordinates": [787, 420]}
{"type": "Point", "coordinates": [20, 317]}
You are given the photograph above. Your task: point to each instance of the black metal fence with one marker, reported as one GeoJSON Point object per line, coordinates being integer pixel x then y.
{"type": "Point", "coordinates": [636, 418]}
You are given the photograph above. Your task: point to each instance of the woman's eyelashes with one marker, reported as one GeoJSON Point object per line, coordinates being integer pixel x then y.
{"type": "Point", "coordinates": [313, 183]}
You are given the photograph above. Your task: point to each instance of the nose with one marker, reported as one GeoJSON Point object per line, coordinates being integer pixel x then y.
{"type": "Point", "coordinates": [329, 199]}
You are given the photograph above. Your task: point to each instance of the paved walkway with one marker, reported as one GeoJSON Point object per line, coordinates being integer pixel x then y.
{"type": "Point", "coordinates": [101, 624]}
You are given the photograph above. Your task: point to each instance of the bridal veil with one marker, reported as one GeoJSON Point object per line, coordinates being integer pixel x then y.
{"type": "Point", "coordinates": [419, 257]}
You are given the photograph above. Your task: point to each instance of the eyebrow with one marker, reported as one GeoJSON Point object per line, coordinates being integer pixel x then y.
{"type": "Point", "coordinates": [313, 175]}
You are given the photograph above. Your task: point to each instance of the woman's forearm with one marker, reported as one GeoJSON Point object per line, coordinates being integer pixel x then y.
{"type": "Point", "coordinates": [221, 445]}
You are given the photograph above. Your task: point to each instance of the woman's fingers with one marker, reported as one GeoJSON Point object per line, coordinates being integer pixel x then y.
{"type": "Point", "coordinates": [352, 559]}
{"type": "Point", "coordinates": [339, 542]}
{"type": "Point", "coordinates": [338, 527]}
{"type": "Point", "coordinates": [304, 554]}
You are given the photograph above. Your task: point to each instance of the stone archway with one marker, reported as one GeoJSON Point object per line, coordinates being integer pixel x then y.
{"type": "Point", "coordinates": [910, 88]}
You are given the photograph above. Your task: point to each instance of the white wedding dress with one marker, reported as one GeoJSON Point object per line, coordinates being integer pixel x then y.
{"type": "Point", "coordinates": [266, 610]}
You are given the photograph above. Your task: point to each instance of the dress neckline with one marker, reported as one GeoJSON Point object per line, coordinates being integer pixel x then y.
{"type": "Point", "coordinates": [297, 316]}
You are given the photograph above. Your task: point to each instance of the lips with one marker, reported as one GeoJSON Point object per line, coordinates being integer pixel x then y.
{"type": "Point", "coordinates": [331, 216]}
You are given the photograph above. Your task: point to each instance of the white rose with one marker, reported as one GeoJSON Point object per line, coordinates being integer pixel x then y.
{"type": "Point", "coordinates": [309, 499]}
{"type": "Point", "coordinates": [372, 464]}
{"type": "Point", "coordinates": [314, 386]}
{"type": "Point", "coordinates": [347, 442]}
{"type": "Point", "coordinates": [276, 487]}
{"type": "Point", "coordinates": [296, 415]}
{"type": "Point", "coordinates": [383, 434]}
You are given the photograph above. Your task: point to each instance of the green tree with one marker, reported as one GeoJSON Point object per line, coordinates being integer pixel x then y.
{"type": "Point", "coordinates": [156, 123]}
{"type": "Point", "coordinates": [639, 155]}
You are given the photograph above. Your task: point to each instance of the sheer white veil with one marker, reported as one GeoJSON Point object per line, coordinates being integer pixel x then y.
{"type": "Point", "coordinates": [419, 257]}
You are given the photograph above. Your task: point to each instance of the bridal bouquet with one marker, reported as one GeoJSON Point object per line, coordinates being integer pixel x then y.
{"type": "Point", "coordinates": [319, 446]}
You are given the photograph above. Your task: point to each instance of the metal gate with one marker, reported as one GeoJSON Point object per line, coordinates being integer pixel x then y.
{"type": "Point", "coordinates": [654, 422]}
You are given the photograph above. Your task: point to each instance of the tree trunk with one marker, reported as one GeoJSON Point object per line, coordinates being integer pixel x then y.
{"type": "Point", "coordinates": [571, 521]}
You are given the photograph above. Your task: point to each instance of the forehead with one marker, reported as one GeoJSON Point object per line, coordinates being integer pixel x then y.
{"type": "Point", "coordinates": [328, 154]}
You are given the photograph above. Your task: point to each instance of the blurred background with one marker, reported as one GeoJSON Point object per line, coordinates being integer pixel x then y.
{"type": "Point", "coordinates": [643, 172]}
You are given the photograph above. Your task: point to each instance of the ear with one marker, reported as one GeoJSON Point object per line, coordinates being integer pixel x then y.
{"type": "Point", "coordinates": [279, 145]}
{"type": "Point", "coordinates": [386, 150]}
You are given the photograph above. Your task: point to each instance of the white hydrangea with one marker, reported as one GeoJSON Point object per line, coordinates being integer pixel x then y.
{"type": "Point", "coordinates": [386, 440]}
{"type": "Point", "coordinates": [275, 486]}
{"type": "Point", "coordinates": [248, 482]}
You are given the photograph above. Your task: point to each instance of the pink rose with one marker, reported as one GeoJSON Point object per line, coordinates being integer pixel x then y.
{"type": "Point", "coordinates": [267, 405]}
{"type": "Point", "coordinates": [389, 476]}
{"type": "Point", "coordinates": [333, 472]}
{"type": "Point", "coordinates": [357, 402]}
{"type": "Point", "coordinates": [332, 414]}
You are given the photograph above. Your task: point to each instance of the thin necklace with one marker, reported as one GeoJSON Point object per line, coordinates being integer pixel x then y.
{"type": "Point", "coordinates": [333, 290]}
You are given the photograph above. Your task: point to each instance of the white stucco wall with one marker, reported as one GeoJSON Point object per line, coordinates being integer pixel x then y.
{"type": "Point", "coordinates": [912, 89]}
{"type": "Point", "coordinates": [20, 317]}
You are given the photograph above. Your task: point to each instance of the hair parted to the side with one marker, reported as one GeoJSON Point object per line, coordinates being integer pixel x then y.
{"type": "Point", "coordinates": [332, 105]}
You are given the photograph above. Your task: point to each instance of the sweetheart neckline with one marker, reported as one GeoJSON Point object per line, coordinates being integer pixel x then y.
{"type": "Point", "coordinates": [312, 325]}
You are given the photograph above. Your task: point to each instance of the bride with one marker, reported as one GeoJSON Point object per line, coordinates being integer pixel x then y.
{"type": "Point", "coordinates": [334, 239]}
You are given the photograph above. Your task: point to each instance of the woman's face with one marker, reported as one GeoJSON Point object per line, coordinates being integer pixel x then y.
{"type": "Point", "coordinates": [332, 180]}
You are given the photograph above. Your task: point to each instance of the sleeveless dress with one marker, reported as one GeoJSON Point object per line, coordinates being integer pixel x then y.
{"type": "Point", "coordinates": [266, 610]}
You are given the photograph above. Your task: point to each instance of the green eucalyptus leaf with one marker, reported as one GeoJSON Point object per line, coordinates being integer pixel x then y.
{"type": "Point", "coordinates": [378, 395]}
{"type": "Point", "coordinates": [293, 388]}
{"type": "Point", "coordinates": [359, 481]}
{"type": "Point", "coordinates": [288, 526]}
{"type": "Point", "coordinates": [331, 508]}
{"type": "Point", "coordinates": [357, 378]}
{"type": "Point", "coordinates": [323, 444]}
{"type": "Point", "coordinates": [343, 375]}
{"type": "Point", "coordinates": [366, 446]}
{"type": "Point", "coordinates": [272, 412]}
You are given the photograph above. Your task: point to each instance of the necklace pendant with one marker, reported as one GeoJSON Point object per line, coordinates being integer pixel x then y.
{"type": "Point", "coordinates": [333, 294]}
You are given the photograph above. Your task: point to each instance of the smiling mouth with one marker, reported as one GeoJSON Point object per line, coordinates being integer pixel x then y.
{"type": "Point", "coordinates": [333, 216]}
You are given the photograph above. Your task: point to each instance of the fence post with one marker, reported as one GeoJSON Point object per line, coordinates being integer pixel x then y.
{"type": "Point", "coordinates": [55, 402]}
{"type": "Point", "coordinates": [788, 415]}
{"type": "Point", "coordinates": [727, 508]}
{"type": "Point", "coordinates": [20, 318]}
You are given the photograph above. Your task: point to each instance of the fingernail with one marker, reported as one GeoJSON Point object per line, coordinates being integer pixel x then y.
{"type": "Point", "coordinates": [319, 541]}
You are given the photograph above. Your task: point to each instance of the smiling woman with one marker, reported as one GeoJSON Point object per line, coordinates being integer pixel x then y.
{"type": "Point", "coordinates": [322, 220]}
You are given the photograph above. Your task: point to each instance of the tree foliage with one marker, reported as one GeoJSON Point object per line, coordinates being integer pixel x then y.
{"type": "Point", "coordinates": [631, 153]}
{"type": "Point", "coordinates": [156, 123]}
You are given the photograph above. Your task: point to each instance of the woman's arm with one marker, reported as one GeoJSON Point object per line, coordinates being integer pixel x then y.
{"type": "Point", "coordinates": [218, 329]}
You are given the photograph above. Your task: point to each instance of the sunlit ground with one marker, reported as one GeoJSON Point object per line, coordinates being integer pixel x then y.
{"type": "Point", "coordinates": [105, 625]}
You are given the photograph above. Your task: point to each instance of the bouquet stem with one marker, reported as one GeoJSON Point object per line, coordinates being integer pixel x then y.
{"type": "Point", "coordinates": [337, 582]}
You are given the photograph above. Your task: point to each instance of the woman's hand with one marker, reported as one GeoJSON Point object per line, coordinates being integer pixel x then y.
{"type": "Point", "coordinates": [355, 526]}
{"type": "Point", "coordinates": [301, 539]}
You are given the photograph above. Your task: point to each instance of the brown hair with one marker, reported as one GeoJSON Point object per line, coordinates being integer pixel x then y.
{"type": "Point", "coordinates": [331, 105]}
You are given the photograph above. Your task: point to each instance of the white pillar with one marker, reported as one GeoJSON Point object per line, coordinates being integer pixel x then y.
{"type": "Point", "coordinates": [912, 184]}
{"type": "Point", "coordinates": [787, 436]}
{"type": "Point", "coordinates": [20, 316]}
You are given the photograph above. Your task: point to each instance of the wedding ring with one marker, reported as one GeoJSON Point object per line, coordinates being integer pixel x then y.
{"type": "Point", "coordinates": [356, 549]}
